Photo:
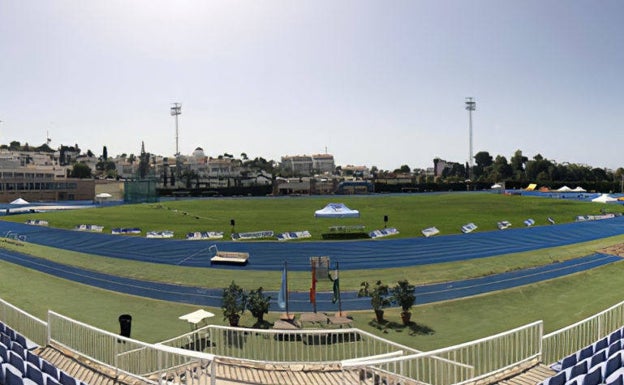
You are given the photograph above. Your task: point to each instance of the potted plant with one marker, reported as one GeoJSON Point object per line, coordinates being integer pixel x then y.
{"type": "Point", "coordinates": [234, 303]}
{"type": "Point", "coordinates": [378, 295]}
{"type": "Point", "coordinates": [403, 295]}
{"type": "Point", "coordinates": [258, 304]}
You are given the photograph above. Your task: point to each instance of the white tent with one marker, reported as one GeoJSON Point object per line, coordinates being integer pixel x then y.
{"type": "Point", "coordinates": [564, 189]}
{"type": "Point", "coordinates": [20, 201]}
{"type": "Point", "coordinates": [579, 189]}
{"type": "Point", "coordinates": [336, 210]}
{"type": "Point", "coordinates": [497, 185]}
{"type": "Point", "coordinates": [604, 198]}
{"type": "Point", "coordinates": [103, 195]}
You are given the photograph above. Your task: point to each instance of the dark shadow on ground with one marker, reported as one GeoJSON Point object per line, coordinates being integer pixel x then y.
{"type": "Point", "coordinates": [412, 328]}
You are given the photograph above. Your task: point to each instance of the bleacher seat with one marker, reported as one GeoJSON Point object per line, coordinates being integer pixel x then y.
{"type": "Point", "coordinates": [4, 353]}
{"type": "Point", "coordinates": [5, 339]}
{"type": "Point", "coordinates": [601, 344]}
{"type": "Point", "coordinates": [557, 379]}
{"type": "Point", "coordinates": [614, 347]}
{"type": "Point", "coordinates": [33, 359]}
{"type": "Point", "coordinates": [66, 379]}
{"type": "Point", "coordinates": [613, 363]}
{"type": "Point", "coordinates": [593, 377]}
{"type": "Point", "coordinates": [619, 380]}
{"type": "Point", "coordinates": [35, 374]}
{"type": "Point", "coordinates": [615, 336]}
{"type": "Point", "coordinates": [598, 357]}
{"type": "Point", "coordinates": [584, 353]}
{"type": "Point", "coordinates": [567, 362]}
{"type": "Point", "coordinates": [50, 369]}
{"type": "Point", "coordinates": [17, 361]}
{"type": "Point", "coordinates": [580, 368]}
{"type": "Point", "coordinates": [18, 348]}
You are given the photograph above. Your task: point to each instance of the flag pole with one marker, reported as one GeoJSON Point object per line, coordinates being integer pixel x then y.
{"type": "Point", "coordinates": [286, 275]}
{"type": "Point", "coordinates": [339, 299]}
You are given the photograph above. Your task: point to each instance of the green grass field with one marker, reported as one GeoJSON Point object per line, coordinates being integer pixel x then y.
{"type": "Point", "coordinates": [558, 302]}
{"type": "Point", "coordinates": [408, 213]}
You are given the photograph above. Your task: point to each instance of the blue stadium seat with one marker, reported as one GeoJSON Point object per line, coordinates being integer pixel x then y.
{"type": "Point", "coordinates": [2, 326]}
{"type": "Point", "coordinates": [598, 357]}
{"type": "Point", "coordinates": [577, 370]}
{"type": "Point", "coordinates": [615, 336]}
{"type": "Point", "coordinates": [593, 377]}
{"type": "Point", "coordinates": [557, 379]}
{"type": "Point", "coordinates": [66, 379]}
{"type": "Point", "coordinates": [614, 347]}
{"type": "Point", "coordinates": [601, 344]}
{"type": "Point", "coordinates": [619, 380]}
{"type": "Point", "coordinates": [50, 369]}
{"type": "Point", "coordinates": [584, 353]}
{"type": "Point", "coordinates": [5, 368]}
{"type": "Point", "coordinates": [565, 363]}
{"type": "Point", "coordinates": [17, 361]}
{"type": "Point", "coordinates": [4, 353]}
{"type": "Point", "coordinates": [35, 374]}
{"type": "Point", "coordinates": [33, 359]}
{"type": "Point", "coordinates": [18, 348]}
{"type": "Point", "coordinates": [612, 364]}
{"type": "Point", "coordinates": [613, 376]}
{"type": "Point", "coordinates": [5, 339]}
{"type": "Point", "coordinates": [9, 332]}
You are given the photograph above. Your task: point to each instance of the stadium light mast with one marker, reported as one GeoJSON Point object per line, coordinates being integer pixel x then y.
{"type": "Point", "coordinates": [471, 105]}
{"type": "Point", "coordinates": [176, 110]}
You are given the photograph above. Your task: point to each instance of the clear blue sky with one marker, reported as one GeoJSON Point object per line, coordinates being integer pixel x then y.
{"type": "Point", "coordinates": [375, 82]}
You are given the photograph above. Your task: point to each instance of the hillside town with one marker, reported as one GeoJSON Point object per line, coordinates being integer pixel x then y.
{"type": "Point", "coordinates": [69, 173]}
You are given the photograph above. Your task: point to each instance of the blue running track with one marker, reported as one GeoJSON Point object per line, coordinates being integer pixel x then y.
{"type": "Point", "coordinates": [298, 301]}
{"type": "Point", "coordinates": [352, 255]}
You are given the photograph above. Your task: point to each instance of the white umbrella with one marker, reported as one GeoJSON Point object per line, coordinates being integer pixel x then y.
{"type": "Point", "coordinates": [104, 195]}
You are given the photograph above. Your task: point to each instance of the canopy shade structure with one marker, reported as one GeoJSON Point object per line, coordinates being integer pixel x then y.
{"type": "Point", "coordinates": [564, 189]}
{"type": "Point", "coordinates": [579, 189]}
{"type": "Point", "coordinates": [197, 316]}
{"type": "Point", "coordinates": [336, 210]}
{"type": "Point", "coordinates": [604, 198]}
{"type": "Point", "coordinates": [103, 195]}
{"type": "Point", "coordinates": [19, 201]}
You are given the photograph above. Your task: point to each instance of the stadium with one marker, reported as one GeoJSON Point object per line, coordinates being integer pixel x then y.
{"type": "Point", "coordinates": [50, 347]}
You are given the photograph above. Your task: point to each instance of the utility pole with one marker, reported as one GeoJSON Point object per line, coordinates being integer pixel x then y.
{"type": "Point", "coordinates": [176, 110]}
{"type": "Point", "coordinates": [471, 105]}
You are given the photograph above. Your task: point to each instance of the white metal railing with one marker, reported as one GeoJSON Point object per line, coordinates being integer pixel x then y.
{"type": "Point", "coordinates": [304, 345]}
{"type": "Point", "coordinates": [359, 354]}
{"type": "Point", "coordinates": [150, 363]}
{"type": "Point", "coordinates": [462, 363]}
{"type": "Point", "coordinates": [27, 325]}
{"type": "Point", "coordinates": [569, 339]}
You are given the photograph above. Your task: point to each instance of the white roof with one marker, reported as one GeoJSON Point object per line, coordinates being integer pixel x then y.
{"type": "Point", "coordinates": [197, 316]}
{"type": "Point", "coordinates": [19, 201]}
{"type": "Point", "coordinates": [564, 189]}
{"type": "Point", "coordinates": [579, 189]}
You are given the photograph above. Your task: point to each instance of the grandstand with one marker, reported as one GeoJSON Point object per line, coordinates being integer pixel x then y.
{"type": "Point", "coordinates": [64, 351]}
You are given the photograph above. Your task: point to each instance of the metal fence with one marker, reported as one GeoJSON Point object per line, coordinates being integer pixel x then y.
{"type": "Point", "coordinates": [463, 363]}
{"type": "Point", "coordinates": [195, 356]}
{"type": "Point", "coordinates": [27, 325]}
{"type": "Point", "coordinates": [305, 345]}
{"type": "Point", "coordinates": [150, 363]}
{"type": "Point", "coordinates": [569, 339]}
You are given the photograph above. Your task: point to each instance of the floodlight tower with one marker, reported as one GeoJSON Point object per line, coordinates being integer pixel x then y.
{"type": "Point", "coordinates": [176, 110]}
{"type": "Point", "coordinates": [471, 105]}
